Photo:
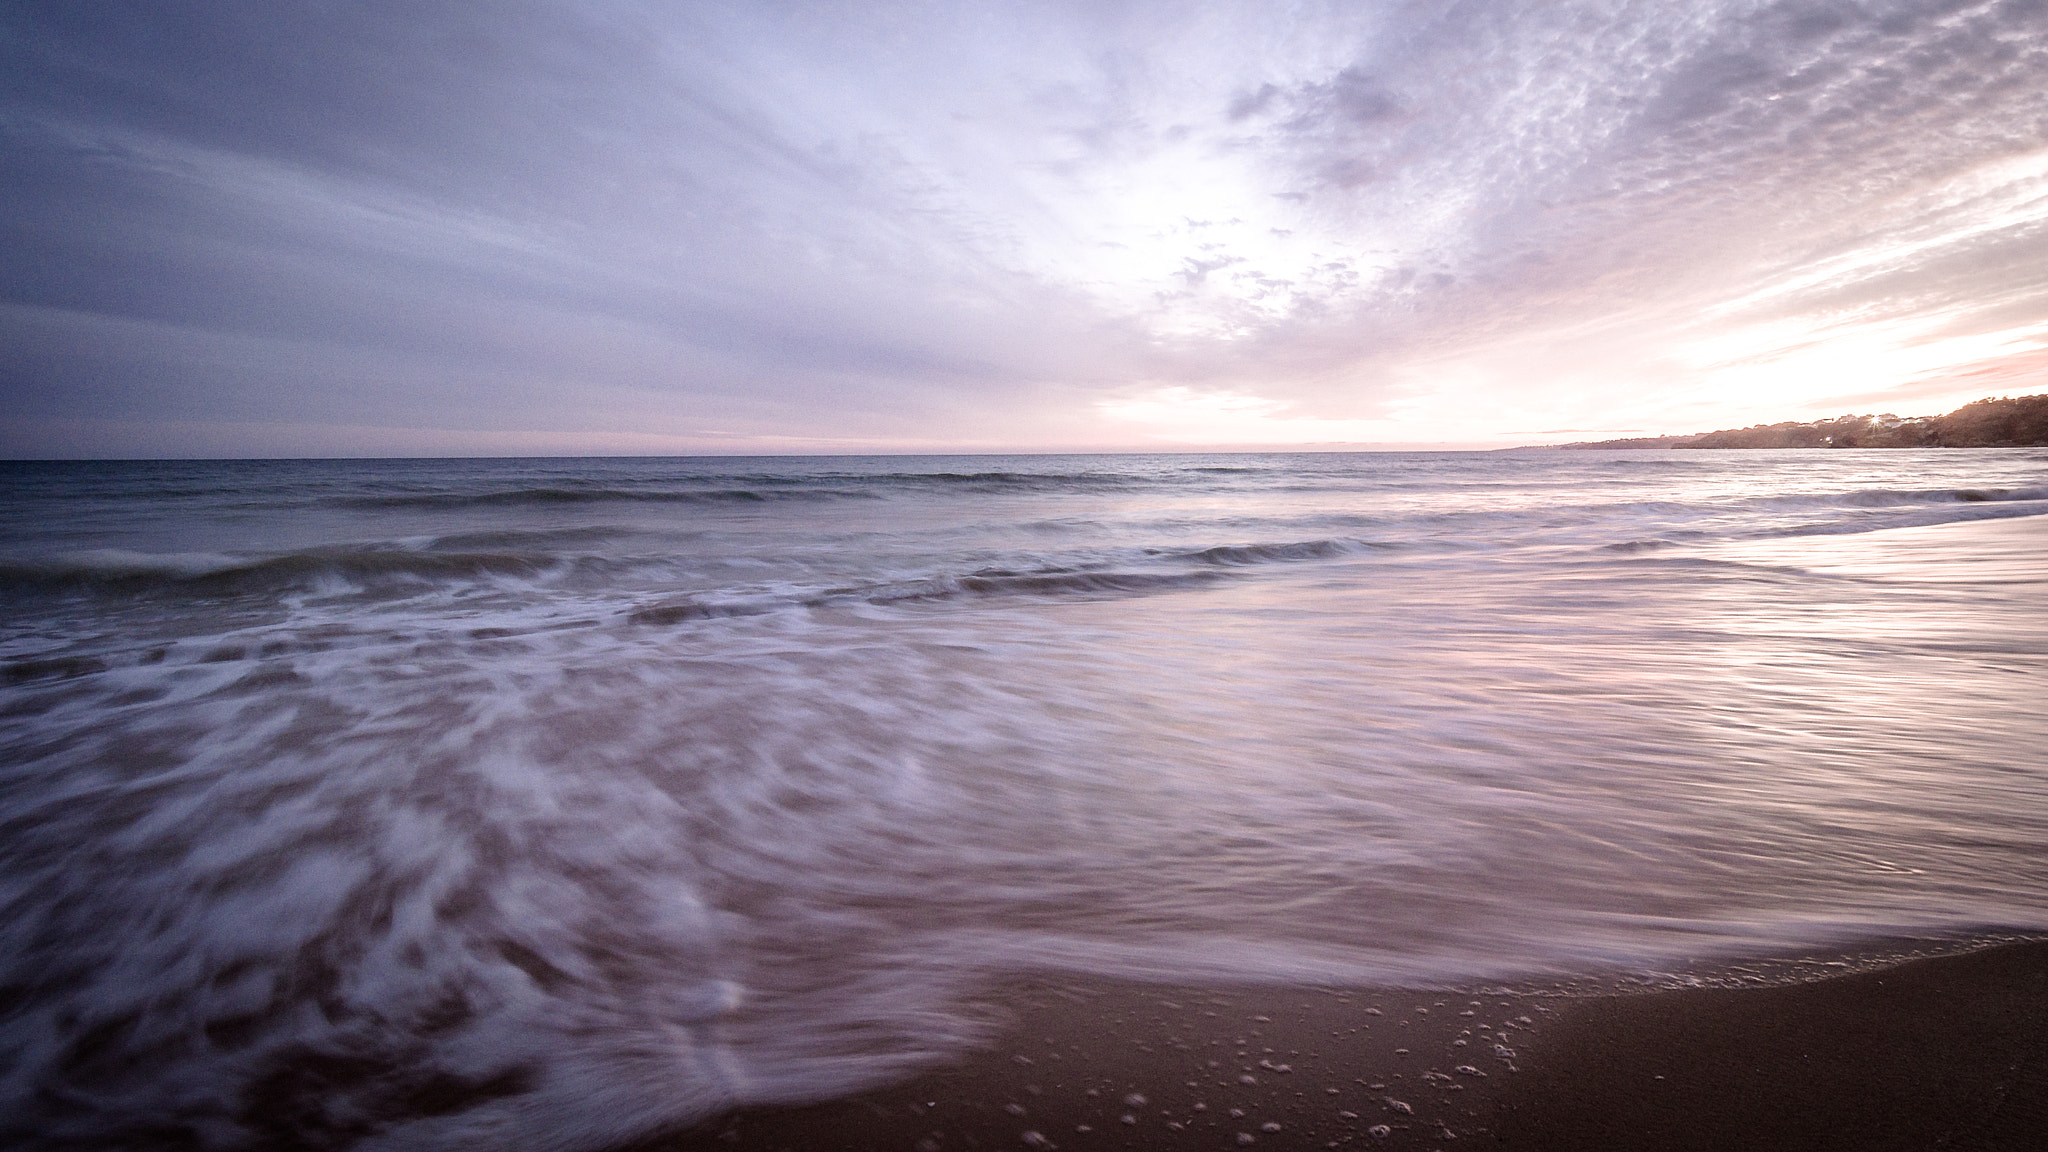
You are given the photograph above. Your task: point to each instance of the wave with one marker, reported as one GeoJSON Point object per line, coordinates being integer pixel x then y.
{"type": "Point", "coordinates": [681, 611]}
{"type": "Point", "coordinates": [50, 668]}
{"type": "Point", "coordinates": [1903, 497]}
{"type": "Point", "coordinates": [1072, 583]}
{"type": "Point", "coordinates": [515, 538]}
{"type": "Point", "coordinates": [1044, 582]}
{"type": "Point", "coordinates": [1925, 518]}
{"type": "Point", "coordinates": [541, 497]}
{"type": "Point", "coordinates": [484, 556]}
{"type": "Point", "coordinates": [1860, 498]}
{"type": "Point", "coordinates": [1239, 555]}
{"type": "Point", "coordinates": [1034, 481]}
{"type": "Point", "coordinates": [131, 574]}
{"type": "Point", "coordinates": [983, 585]}
{"type": "Point", "coordinates": [1870, 509]}
{"type": "Point", "coordinates": [750, 489]}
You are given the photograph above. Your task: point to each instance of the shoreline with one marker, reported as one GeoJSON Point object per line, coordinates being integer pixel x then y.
{"type": "Point", "coordinates": [1944, 1052]}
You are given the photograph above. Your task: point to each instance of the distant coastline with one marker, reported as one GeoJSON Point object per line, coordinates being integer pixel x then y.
{"type": "Point", "coordinates": [2000, 422]}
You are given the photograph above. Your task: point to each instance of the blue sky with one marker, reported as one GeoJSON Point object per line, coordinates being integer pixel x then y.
{"type": "Point", "coordinates": [613, 227]}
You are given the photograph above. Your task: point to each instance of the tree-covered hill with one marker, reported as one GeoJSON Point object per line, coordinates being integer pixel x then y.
{"type": "Point", "coordinates": [1994, 422]}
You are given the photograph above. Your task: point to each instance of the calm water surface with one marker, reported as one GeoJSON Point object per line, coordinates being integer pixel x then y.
{"type": "Point", "coordinates": [543, 803]}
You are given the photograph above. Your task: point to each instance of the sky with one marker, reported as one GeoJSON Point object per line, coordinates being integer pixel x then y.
{"type": "Point", "coordinates": [373, 228]}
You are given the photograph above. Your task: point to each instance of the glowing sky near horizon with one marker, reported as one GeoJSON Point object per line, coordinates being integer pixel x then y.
{"type": "Point", "coordinates": [607, 226]}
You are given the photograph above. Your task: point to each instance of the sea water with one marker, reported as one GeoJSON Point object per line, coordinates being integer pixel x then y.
{"type": "Point", "coordinates": [546, 803]}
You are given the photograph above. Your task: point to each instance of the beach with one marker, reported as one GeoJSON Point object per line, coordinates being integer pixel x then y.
{"type": "Point", "coordinates": [1932, 1053]}
{"type": "Point", "coordinates": [864, 802]}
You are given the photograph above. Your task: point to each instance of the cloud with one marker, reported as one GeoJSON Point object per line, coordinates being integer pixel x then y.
{"type": "Point", "coordinates": [920, 221]}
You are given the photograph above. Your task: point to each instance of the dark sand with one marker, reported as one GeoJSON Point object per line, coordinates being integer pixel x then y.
{"type": "Point", "coordinates": [1948, 1053]}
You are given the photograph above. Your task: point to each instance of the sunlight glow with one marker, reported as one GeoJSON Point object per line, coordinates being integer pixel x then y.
{"type": "Point", "coordinates": [1197, 242]}
{"type": "Point", "coordinates": [1184, 415]}
{"type": "Point", "coordinates": [1797, 362]}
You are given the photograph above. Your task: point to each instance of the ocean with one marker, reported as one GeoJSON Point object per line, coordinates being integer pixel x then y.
{"type": "Point", "coordinates": [552, 803]}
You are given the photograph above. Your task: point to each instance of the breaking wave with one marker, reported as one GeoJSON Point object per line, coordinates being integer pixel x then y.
{"type": "Point", "coordinates": [135, 575]}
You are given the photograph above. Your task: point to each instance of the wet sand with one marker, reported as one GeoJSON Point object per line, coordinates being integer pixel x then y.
{"type": "Point", "coordinates": [1948, 1053]}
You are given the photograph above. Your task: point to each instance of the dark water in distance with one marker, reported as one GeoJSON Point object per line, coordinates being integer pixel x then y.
{"type": "Point", "coordinates": [542, 803]}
